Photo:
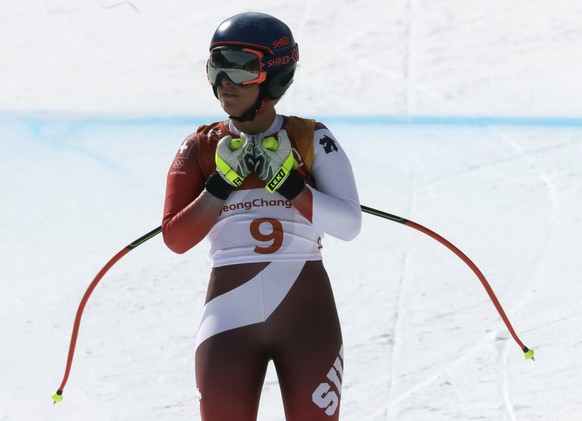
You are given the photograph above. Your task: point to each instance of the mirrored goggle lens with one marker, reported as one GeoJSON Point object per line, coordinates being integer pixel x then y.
{"type": "Point", "coordinates": [240, 66]}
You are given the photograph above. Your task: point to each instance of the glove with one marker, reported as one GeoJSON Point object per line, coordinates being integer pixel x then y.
{"type": "Point", "coordinates": [275, 164]}
{"type": "Point", "coordinates": [234, 161]}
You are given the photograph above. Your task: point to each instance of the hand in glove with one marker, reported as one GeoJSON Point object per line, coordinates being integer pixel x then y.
{"type": "Point", "coordinates": [275, 164]}
{"type": "Point", "coordinates": [234, 161]}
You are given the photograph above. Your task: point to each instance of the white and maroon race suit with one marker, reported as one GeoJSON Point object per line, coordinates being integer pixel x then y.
{"type": "Point", "coordinates": [269, 296]}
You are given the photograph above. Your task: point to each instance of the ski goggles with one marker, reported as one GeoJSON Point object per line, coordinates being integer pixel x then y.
{"type": "Point", "coordinates": [242, 65]}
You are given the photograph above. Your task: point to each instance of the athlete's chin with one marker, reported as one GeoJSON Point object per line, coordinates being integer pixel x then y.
{"type": "Point", "coordinates": [230, 108]}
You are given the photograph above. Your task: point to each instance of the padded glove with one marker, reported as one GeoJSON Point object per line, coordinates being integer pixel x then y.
{"type": "Point", "coordinates": [276, 165]}
{"type": "Point", "coordinates": [234, 161]}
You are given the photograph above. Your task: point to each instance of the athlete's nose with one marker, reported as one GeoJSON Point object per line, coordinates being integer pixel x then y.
{"type": "Point", "coordinates": [225, 80]}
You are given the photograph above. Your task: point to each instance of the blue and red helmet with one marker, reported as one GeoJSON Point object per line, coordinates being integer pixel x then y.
{"type": "Point", "coordinates": [254, 47]}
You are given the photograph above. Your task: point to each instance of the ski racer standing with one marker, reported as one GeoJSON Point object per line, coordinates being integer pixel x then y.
{"type": "Point", "coordinates": [264, 188]}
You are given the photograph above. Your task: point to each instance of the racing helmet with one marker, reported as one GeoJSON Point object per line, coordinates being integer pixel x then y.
{"type": "Point", "coordinates": [253, 47]}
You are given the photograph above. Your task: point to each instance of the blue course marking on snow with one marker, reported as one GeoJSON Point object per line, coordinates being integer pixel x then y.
{"type": "Point", "coordinates": [80, 121]}
{"type": "Point", "coordinates": [460, 121]}
{"type": "Point", "coordinates": [388, 120]}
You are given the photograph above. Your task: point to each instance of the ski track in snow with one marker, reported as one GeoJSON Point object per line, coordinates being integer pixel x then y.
{"type": "Point", "coordinates": [396, 333]}
{"type": "Point", "coordinates": [548, 240]}
{"type": "Point", "coordinates": [401, 297]}
{"type": "Point", "coordinates": [541, 261]}
{"type": "Point", "coordinates": [408, 69]}
{"type": "Point", "coordinates": [502, 347]}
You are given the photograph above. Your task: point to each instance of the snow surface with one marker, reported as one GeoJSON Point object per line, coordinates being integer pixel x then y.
{"type": "Point", "coordinates": [96, 98]}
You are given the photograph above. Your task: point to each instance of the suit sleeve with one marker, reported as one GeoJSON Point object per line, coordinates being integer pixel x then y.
{"type": "Point", "coordinates": [333, 204]}
{"type": "Point", "coordinates": [189, 210]}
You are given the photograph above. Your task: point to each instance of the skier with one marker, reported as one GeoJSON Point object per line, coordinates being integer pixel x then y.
{"type": "Point", "coordinates": [264, 188]}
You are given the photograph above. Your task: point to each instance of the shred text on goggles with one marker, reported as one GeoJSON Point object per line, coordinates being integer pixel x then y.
{"type": "Point", "coordinates": [245, 65]}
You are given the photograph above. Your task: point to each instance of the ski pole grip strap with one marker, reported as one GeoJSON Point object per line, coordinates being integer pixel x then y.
{"type": "Point", "coordinates": [218, 186]}
{"type": "Point", "coordinates": [292, 186]}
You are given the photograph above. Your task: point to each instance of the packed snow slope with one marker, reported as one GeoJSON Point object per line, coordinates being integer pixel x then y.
{"type": "Point", "coordinates": [462, 116]}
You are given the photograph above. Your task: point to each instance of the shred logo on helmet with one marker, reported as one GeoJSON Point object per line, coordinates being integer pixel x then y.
{"type": "Point", "coordinates": [250, 48]}
{"type": "Point", "coordinates": [281, 42]}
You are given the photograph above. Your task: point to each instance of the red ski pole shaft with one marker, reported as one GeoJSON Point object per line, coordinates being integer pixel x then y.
{"type": "Point", "coordinates": [529, 353]}
{"type": "Point", "coordinates": [58, 396]}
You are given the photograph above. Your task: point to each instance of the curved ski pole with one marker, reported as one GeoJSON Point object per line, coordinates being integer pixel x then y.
{"type": "Point", "coordinates": [529, 353]}
{"type": "Point", "coordinates": [58, 396]}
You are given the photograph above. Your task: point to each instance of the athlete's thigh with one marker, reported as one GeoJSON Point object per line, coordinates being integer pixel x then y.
{"type": "Point", "coordinates": [230, 371]}
{"type": "Point", "coordinates": [307, 348]}
{"type": "Point", "coordinates": [231, 356]}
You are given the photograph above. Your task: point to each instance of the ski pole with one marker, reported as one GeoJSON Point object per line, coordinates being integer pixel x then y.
{"type": "Point", "coordinates": [529, 353]}
{"type": "Point", "coordinates": [58, 396]}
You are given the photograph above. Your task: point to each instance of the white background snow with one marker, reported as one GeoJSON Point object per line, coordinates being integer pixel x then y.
{"type": "Point", "coordinates": [465, 117]}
